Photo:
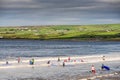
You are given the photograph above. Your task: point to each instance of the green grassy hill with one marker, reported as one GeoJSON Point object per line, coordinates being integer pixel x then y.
{"type": "Point", "coordinates": [72, 32]}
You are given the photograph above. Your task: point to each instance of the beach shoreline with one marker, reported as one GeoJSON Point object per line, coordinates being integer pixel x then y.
{"type": "Point", "coordinates": [75, 69]}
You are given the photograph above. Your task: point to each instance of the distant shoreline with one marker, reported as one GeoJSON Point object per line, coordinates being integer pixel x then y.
{"type": "Point", "coordinates": [74, 40]}
{"type": "Point", "coordinates": [106, 32]}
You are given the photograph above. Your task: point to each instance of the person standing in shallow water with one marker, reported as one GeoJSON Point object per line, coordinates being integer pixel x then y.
{"type": "Point", "coordinates": [68, 58]}
{"type": "Point", "coordinates": [63, 64]}
{"type": "Point", "coordinates": [18, 59]}
{"type": "Point", "coordinates": [58, 59]}
{"type": "Point", "coordinates": [103, 58]}
{"type": "Point", "coordinates": [48, 62]}
{"type": "Point", "coordinates": [33, 61]}
{"type": "Point", "coordinates": [93, 69]}
{"type": "Point", "coordinates": [7, 62]}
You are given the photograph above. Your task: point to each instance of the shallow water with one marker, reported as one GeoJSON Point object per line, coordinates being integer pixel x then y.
{"type": "Point", "coordinates": [38, 48]}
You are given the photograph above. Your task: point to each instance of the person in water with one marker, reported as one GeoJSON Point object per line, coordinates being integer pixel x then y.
{"type": "Point", "coordinates": [48, 62]}
{"type": "Point", "coordinates": [102, 67]}
{"type": "Point", "coordinates": [58, 59]}
{"type": "Point", "coordinates": [7, 62]}
{"type": "Point", "coordinates": [93, 69]}
{"type": "Point", "coordinates": [18, 59]}
{"type": "Point", "coordinates": [68, 58]}
{"type": "Point", "coordinates": [33, 61]}
{"type": "Point", "coordinates": [63, 64]}
{"type": "Point", "coordinates": [103, 58]}
{"type": "Point", "coordinates": [30, 62]}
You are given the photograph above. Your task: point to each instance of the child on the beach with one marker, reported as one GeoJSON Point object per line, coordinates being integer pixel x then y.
{"type": "Point", "coordinates": [93, 69]}
{"type": "Point", "coordinates": [58, 59]}
{"type": "Point", "coordinates": [31, 62]}
{"type": "Point", "coordinates": [68, 58]}
{"type": "Point", "coordinates": [63, 64]}
{"type": "Point", "coordinates": [103, 58]}
{"type": "Point", "coordinates": [18, 59]}
{"type": "Point", "coordinates": [7, 62]}
{"type": "Point", "coordinates": [48, 62]}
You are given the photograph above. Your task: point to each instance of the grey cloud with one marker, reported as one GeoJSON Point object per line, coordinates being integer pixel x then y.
{"type": "Point", "coordinates": [57, 4]}
{"type": "Point", "coordinates": [59, 9]}
{"type": "Point", "coordinates": [46, 3]}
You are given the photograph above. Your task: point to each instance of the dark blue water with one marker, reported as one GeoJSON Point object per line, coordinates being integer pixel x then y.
{"type": "Point", "coordinates": [37, 48]}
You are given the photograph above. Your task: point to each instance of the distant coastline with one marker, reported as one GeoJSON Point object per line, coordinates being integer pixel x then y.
{"type": "Point", "coordinates": [103, 32]}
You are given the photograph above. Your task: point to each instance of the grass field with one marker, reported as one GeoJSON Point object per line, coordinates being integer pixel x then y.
{"type": "Point", "coordinates": [69, 32]}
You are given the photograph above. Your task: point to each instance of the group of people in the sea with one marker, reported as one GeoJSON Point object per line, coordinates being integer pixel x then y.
{"type": "Point", "coordinates": [103, 67]}
{"type": "Point", "coordinates": [93, 70]}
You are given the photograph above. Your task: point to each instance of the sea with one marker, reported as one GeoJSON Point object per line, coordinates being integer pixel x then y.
{"type": "Point", "coordinates": [53, 48]}
{"type": "Point", "coordinates": [43, 50]}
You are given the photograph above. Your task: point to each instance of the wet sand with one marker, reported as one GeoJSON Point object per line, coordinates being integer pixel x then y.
{"type": "Point", "coordinates": [112, 76]}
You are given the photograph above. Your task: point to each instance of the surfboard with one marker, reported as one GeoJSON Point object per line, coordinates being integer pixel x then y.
{"type": "Point", "coordinates": [106, 67]}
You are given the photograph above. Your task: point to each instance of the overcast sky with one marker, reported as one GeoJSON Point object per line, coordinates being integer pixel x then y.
{"type": "Point", "coordinates": [55, 12]}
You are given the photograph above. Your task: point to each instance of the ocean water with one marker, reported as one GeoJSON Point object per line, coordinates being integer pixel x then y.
{"type": "Point", "coordinates": [42, 50]}
{"type": "Point", "coordinates": [38, 48]}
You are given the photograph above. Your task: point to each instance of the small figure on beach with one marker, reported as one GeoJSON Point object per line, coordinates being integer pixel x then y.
{"type": "Point", "coordinates": [63, 64]}
{"type": "Point", "coordinates": [48, 62]}
{"type": "Point", "coordinates": [82, 60]}
{"type": "Point", "coordinates": [68, 58]}
{"type": "Point", "coordinates": [31, 62]}
{"type": "Point", "coordinates": [102, 67]}
{"type": "Point", "coordinates": [74, 60]}
{"type": "Point", "coordinates": [65, 60]}
{"type": "Point", "coordinates": [7, 62]}
{"type": "Point", "coordinates": [18, 59]}
{"type": "Point", "coordinates": [103, 58]}
{"type": "Point", "coordinates": [58, 59]}
{"type": "Point", "coordinates": [93, 69]}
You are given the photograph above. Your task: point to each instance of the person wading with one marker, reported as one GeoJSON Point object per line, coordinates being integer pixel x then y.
{"type": "Point", "coordinates": [93, 69]}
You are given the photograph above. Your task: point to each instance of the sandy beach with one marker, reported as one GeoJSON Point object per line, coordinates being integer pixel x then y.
{"type": "Point", "coordinates": [77, 68]}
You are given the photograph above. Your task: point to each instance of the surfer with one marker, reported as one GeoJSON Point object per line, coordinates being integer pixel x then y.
{"type": "Point", "coordinates": [102, 67]}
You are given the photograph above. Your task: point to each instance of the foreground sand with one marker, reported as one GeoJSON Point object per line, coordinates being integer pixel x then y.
{"type": "Point", "coordinates": [74, 69]}
{"type": "Point", "coordinates": [112, 76]}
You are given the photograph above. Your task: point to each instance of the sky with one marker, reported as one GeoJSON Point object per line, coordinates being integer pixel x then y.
{"type": "Point", "coordinates": [58, 12]}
